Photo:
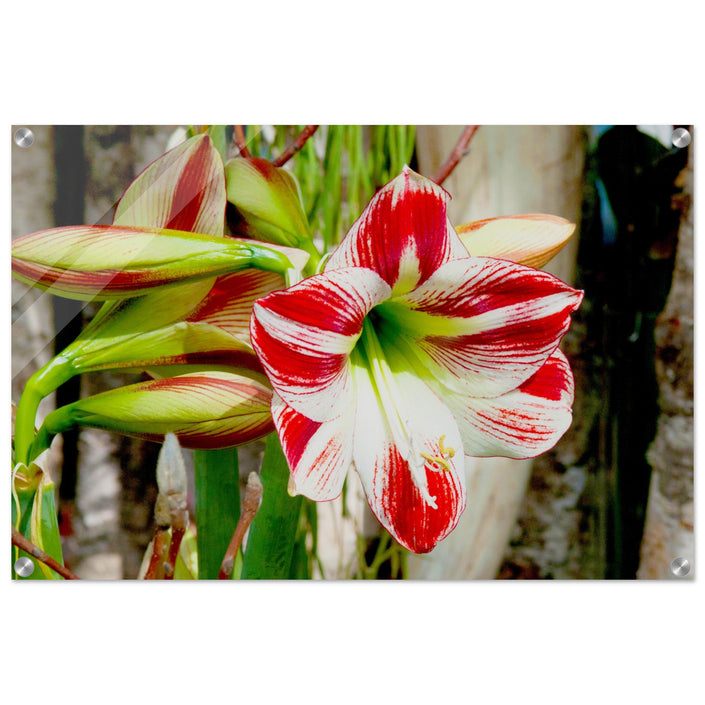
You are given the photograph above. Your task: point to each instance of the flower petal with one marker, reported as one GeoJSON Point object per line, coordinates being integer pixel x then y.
{"type": "Point", "coordinates": [531, 239]}
{"type": "Point", "coordinates": [228, 304]}
{"type": "Point", "coordinates": [319, 453]}
{"type": "Point", "coordinates": [418, 500]}
{"type": "Point", "coordinates": [126, 317]}
{"type": "Point", "coordinates": [481, 325]}
{"type": "Point", "coordinates": [403, 234]}
{"type": "Point", "coordinates": [520, 424]}
{"type": "Point", "coordinates": [182, 190]}
{"type": "Point", "coordinates": [303, 337]}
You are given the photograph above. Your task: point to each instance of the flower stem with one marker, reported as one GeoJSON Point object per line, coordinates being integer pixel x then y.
{"type": "Point", "coordinates": [270, 545]}
{"type": "Point", "coordinates": [40, 384]}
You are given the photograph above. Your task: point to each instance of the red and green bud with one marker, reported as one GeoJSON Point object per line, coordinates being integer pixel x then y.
{"type": "Point", "coordinates": [203, 409]}
{"type": "Point", "coordinates": [268, 200]}
{"type": "Point", "coordinates": [108, 261]}
{"type": "Point", "coordinates": [183, 189]}
{"type": "Point", "coordinates": [531, 240]}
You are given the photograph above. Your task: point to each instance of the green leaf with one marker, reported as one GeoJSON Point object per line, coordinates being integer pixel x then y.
{"type": "Point", "coordinates": [270, 546]}
{"type": "Point", "coordinates": [219, 136]}
{"type": "Point", "coordinates": [217, 506]}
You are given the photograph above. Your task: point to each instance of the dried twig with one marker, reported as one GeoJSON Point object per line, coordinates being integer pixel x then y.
{"type": "Point", "coordinates": [28, 547]}
{"type": "Point", "coordinates": [253, 494]}
{"type": "Point", "coordinates": [240, 142]}
{"type": "Point", "coordinates": [295, 146]}
{"type": "Point", "coordinates": [460, 150]}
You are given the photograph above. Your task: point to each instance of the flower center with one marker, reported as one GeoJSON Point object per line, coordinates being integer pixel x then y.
{"type": "Point", "coordinates": [387, 370]}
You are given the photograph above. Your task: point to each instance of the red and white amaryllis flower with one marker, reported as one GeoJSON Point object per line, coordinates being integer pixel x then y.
{"type": "Point", "coordinates": [406, 354]}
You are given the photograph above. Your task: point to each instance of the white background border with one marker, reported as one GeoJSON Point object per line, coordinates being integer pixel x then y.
{"type": "Point", "coordinates": [410, 62]}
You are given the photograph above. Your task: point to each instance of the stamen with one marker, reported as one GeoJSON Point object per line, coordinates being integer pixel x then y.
{"type": "Point", "coordinates": [442, 460]}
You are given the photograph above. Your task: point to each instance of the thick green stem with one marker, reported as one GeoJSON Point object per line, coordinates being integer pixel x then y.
{"type": "Point", "coordinates": [314, 260]}
{"type": "Point", "coordinates": [272, 537]}
{"type": "Point", "coordinates": [269, 260]}
{"type": "Point", "coordinates": [217, 506]}
{"type": "Point", "coordinates": [40, 384]}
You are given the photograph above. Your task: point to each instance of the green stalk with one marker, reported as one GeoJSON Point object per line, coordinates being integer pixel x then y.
{"type": "Point", "coordinates": [332, 185]}
{"type": "Point", "coordinates": [272, 538]}
{"type": "Point", "coordinates": [392, 146]}
{"type": "Point", "coordinates": [353, 180]}
{"type": "Point", "coordinates": [217, 506]}
{"type": "Point", "coordinates": [40, 384]}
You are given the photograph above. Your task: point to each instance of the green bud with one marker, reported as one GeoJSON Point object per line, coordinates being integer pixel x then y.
{"type": "Point", "coordinates": [269, 200]}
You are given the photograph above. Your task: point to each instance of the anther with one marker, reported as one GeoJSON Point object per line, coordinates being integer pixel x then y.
{"type": "Point", "coordinates": [442, 460]}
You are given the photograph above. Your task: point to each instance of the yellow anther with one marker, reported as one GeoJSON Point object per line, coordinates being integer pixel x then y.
{"type": "Point", "coordinates": [445, 452]}
{"type": "Point", "coordinates": [442, 460]}
{"type": "Point", "coordinates": [436, 461]}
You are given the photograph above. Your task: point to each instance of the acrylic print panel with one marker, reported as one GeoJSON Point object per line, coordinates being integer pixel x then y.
{"type": "Point", "coordinates": [356, 388]}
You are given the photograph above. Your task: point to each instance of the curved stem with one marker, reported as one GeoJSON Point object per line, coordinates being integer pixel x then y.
{"type": "Point", "coordinates": [56, 422]}
{"type": "Point", "coordinates": [41, 442]}
{"type": "Point", "coordinates": [40, 384]}
{"type": "Point", "coordinates": [314, 260]}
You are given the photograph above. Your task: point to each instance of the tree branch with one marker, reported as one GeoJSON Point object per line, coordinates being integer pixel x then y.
{"type": "Point", "coordinates": [460, 150]}
{"type": "Point", "coordinates": [295, 146]}
{"type": "Point", "coordinates": [27, 546]}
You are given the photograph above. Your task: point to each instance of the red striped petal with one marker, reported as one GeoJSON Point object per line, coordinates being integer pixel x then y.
{"type": "Point", "coordinates": [403, 234]}
{"type": "Point", "coordinates": [228, 304]}
{"type": "Point", "coordinates": [484, 324]}
{"type": "Point", "coordinates": [523, 423]}
{"type": "Point", "coordinates": [319, 453]}
{"type": "Point", "coordinates": [417, 499]}
{"type": "Point", "coordinates": [182, 190]}
{"type": "Point", "coordinates": [303, 337]}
